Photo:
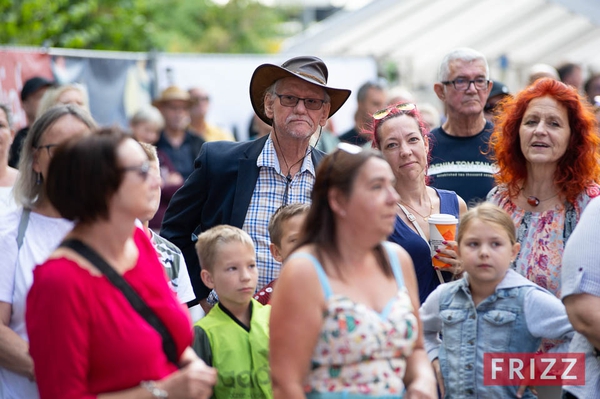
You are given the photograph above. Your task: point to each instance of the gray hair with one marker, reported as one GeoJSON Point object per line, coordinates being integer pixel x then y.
{"type": "Point", "coordinates": [50, 97]}
{"type": "Point", "coordinates": [361, 95]}
{"type": "Point", "coordinates": [463, 54]}
{"type": "Point", "coordinates": [9, 117]}
{"type": "Point", "coordinates": [148, 114]}
{"type": "Point", "coordinates": [28, 193]}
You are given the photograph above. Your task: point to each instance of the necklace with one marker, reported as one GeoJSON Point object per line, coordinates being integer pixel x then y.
{"type": "Point", "coordinates": [289, 168]}
{"type": "Point", "coordinates": [535, 201]}
{"type": "Point", "coordinates": [425, 218]}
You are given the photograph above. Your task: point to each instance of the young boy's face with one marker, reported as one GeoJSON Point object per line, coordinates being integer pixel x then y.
{"type": "Point", "coordinates": [234, 275]}
{"type": "Point", "coordinates": [290, 234]}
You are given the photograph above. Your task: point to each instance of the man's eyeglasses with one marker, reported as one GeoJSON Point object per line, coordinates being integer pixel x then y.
{"type": "Point", "coordinates": [291, 101]}
{"type": "Point", "coordinates": [142, 170]}
{"type": "Point", "coordinates": [462, 84]}
{"type": "Point", "coordinates": [382, 113]}
{"type": "Point", "coordinates": [48, 148]}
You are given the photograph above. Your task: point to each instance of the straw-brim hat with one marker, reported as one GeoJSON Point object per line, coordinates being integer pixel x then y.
{"type": "Point", "coordinates": [173, 93]}
{"type": "Point", "coordinates": [308, 68]}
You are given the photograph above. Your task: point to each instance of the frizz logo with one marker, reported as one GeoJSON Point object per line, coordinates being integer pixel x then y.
{"type": "Point", "coordinates": [517, 369]}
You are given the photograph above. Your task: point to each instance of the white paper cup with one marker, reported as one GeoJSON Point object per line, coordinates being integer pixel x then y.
{"type": "Point", "coordinates": [442, 227]}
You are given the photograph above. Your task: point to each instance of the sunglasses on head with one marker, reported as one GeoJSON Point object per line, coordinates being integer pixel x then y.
{"type": "Point", "coordinates": [345, 147]}
{"type": "Point", "coordinates": [405, 107]}
{"type": "Point", "coordinates": [349, 148]}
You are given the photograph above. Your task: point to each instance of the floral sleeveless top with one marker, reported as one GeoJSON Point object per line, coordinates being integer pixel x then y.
{"type": "Point", "coordinates": [542, 235]}
{"type": "Point", "coordinates": [361, 351]}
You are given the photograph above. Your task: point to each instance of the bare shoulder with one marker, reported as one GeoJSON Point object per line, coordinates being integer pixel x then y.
{"type": "Point", "coordinates": [401, 253]}
{"type": "Point", "coordinates": [300, 266]}
{"type": "Point", "coordinates": [406, 263]}
{"type": "Point", "coordinates": [299, 279]}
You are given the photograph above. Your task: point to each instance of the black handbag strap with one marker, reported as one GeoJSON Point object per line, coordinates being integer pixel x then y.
{"type": "Point", "coordinates": [134, 299]}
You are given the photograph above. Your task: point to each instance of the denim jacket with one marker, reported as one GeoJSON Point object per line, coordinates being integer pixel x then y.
{"type": "Point", "coordinates": [513, 319]}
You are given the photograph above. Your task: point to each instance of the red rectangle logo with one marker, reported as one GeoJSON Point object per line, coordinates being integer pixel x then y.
{"type": "Point", "coordinates": [516, 369]}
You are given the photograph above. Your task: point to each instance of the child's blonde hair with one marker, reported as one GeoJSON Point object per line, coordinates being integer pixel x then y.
{"type": "Point", "coordinates": [150, 151]}
{"type": "Point", "coordinates": [490, 213]}
{"type": "Point", "coordinates": [209, 242]}
{"type": "Point", "coordinates": [282, 214]}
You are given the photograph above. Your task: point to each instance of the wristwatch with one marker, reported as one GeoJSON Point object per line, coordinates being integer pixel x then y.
{"type": "Point", "coordinates": [151, 387]}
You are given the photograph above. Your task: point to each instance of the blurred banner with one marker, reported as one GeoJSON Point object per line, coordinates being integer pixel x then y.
{"type": "Point", "coordinates": [117, 87]}
{"type": "Point", "coordinates": [16, 66]}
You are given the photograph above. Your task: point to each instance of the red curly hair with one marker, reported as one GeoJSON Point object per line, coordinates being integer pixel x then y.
{"type": "Point", "coordinates": [580, 164]}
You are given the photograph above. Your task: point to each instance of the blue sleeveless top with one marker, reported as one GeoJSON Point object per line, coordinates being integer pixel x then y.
{"type": "Point", "coordinates": [419, 250]}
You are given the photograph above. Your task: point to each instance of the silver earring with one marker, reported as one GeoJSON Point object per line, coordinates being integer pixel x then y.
{"type": "Point", "coordinates": [38, 179]}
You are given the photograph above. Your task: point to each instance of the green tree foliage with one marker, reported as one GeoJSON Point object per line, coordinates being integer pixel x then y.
{"type": "Point", "coordinates": [240, 26]}
{"type": "Point", "coordinates": [92, 24]}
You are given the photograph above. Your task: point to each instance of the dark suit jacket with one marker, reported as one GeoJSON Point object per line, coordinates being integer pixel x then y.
{"type": "Point", "coordinates": [217, 192]}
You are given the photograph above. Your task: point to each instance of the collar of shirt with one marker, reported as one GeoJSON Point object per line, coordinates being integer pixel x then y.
{"type": "Point", "coordinates": [268, 158]}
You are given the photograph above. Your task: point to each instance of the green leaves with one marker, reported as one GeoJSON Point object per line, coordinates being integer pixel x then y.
{"type": "Point", "coordinates": [240, 26]}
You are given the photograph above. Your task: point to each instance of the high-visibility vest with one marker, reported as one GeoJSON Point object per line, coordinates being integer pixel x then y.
{"type": "Point", "coordinates": [240, 357]}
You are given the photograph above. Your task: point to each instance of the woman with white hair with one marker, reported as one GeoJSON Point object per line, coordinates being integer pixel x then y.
{"type": "Point", "coordinates": [72, 93]}
{"type": "Point", "coordinates": [146, 124]}
{"type": "Point", "coordinates": [28, 235]}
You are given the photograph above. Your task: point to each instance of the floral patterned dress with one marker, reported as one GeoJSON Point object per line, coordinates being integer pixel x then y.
{"type": "Point", "coordinates": [542, 235]}
{"type": "Point", "coordinates": [361, 353]}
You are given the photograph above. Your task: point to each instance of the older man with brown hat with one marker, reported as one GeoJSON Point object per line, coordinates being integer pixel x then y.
{"type": "Point", "coordinates": [243, 184]}
{"type": "Point", "coordinates": [176, 142]}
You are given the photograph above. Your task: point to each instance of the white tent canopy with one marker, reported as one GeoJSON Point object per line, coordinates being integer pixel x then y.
{"type": "Point", "coordinates": [415, 35]}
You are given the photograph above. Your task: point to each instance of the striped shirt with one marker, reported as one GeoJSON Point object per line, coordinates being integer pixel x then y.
{"type": "Point", "coordinates": [269, 194]}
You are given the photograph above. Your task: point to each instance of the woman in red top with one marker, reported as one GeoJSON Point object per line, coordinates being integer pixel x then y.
{"type": "Point", "coordinates": [86, 339]}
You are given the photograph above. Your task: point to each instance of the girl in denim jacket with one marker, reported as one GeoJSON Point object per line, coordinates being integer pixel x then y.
{"type": "Point", "coordinates": [491, 309]}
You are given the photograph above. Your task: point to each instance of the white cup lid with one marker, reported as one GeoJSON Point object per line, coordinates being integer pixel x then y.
{"type": "Point", "coordinates": [442, 218]}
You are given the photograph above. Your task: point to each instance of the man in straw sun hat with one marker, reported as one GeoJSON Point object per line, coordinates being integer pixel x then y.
{"type": "Point", "coordinates": [176, 142]}
{"type": "Point", "coordinates": [243, 184]}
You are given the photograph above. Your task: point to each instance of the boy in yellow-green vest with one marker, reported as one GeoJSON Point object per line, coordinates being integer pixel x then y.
{"type": "Point", "coordinates": [234, 336]}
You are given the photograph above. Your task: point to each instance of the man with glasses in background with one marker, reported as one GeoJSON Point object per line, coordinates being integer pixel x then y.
{"type": "Point", "coordinates": [243, 184]}
{"type": "Point", "coordinates": [458, 160]}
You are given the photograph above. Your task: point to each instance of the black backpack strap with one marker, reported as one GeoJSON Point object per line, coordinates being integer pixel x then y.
{"type": "Point", "coordinates": [134, 299]}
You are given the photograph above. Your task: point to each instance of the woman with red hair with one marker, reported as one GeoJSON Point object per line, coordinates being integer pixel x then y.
{"type": "Point", "coordinates": [546, 150]}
